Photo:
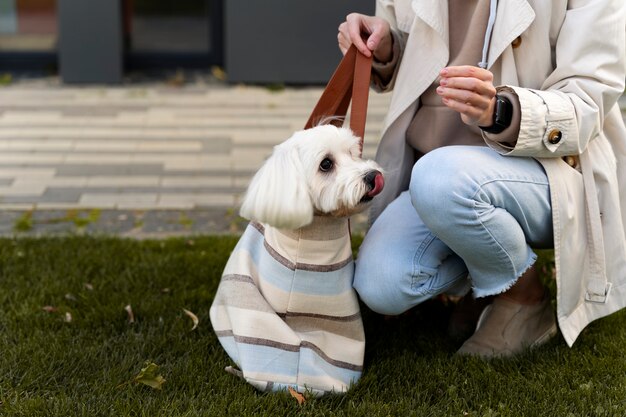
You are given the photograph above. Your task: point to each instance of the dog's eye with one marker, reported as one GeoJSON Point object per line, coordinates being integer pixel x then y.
{"type": "Point", "coordinates": [326, 165]}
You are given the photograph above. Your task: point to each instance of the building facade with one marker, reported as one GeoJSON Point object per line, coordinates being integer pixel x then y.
{"type": "Point", "coordinates": [269, 41]}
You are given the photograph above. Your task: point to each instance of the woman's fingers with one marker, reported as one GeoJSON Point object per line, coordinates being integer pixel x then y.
{"type": "Point", "coordinates": [367, 33]}
{"type": "Point", "coordinates": [469, 91]}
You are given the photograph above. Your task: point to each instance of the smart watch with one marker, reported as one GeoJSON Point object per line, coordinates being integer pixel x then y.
{"type": "Point", "coordinates": [502, 115]}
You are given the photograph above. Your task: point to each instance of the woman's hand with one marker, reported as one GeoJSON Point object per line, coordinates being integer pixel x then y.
{"type": "Point", "coordinates": [469, 91]}
{"type": "Point", "coordinates": [369, 34]}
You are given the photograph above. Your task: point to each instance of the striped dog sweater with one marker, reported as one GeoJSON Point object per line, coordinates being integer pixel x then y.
{"type": "Point", "coordinates": [285, 310]}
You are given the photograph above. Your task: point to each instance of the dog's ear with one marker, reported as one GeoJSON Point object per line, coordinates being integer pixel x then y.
{"type": "Point", "coordinates": [278, 194]}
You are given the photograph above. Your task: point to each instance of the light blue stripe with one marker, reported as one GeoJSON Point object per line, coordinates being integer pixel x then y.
{"type": "Point", "coordinates": [229, 345]}
{"type": "Point", "coordinates": [312, 364]}
{"type": "Point", "coordinates": [281, 277]}
{"type": "Point", "coordinates": [255, 358]}
{"type": "Point", "coordinates": [275, 361]}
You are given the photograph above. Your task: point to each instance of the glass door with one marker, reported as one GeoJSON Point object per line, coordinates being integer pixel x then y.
{"type": "Point", "coordinates": [164, 33]}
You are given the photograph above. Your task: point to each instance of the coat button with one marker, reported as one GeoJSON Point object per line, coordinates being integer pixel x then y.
{"type": "Point", "coordinates": [516, 42]}
{"type": "Point", "coordinates": [570, 160]}
{"type": "Point", "coordinates": [554, 136]}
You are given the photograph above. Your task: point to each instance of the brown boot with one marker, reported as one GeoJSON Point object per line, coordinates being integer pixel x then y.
{"type": "Point", "coordinates": [465, 315]}
{"type": "Point", "coordinates": [506, 328]}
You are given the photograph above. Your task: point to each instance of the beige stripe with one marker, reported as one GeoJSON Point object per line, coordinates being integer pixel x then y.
{"type": "Point", "coordinates": [253, 324]}
{"type": "Point", "coordinates": [351, 330]}
{"type": "Point", "coordinates": [305, 266]}
{"type": "Point", "coordinates": [241, 263]}
{"type": "Point", "coordinates": [323, 228]}
{"type": "Point", "coordinates": [310, 255]}
{"type": "Point", "coordinates": [341, 305]}
{"type": "Point", "coordinates": [243, 295]}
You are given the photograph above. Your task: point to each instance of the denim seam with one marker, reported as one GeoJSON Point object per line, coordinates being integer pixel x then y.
{"type": "Point", "coordinates": [418, 255]}
{"type": "Point", "coordinates": [417, 271]}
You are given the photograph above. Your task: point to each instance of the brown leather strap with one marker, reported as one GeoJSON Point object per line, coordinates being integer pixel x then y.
{"type": "Point", "coordinates": [350, 81]}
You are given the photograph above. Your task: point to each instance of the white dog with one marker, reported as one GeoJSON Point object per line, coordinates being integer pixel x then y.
{"type": "Point", "coordinates": [316, 171]}
{"type": "Point", "coordinates": [285, 310]}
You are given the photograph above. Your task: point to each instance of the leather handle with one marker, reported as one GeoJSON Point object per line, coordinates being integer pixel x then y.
{"type": "Point", "coordinates": [350, 81]}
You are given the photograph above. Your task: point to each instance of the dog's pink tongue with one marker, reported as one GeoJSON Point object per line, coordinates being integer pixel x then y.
{"type": "Point", "coordinates": [379, 183]}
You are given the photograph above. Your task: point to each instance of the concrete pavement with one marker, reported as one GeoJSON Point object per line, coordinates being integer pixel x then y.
{"type": "Point", "coordinates": [143, 159]}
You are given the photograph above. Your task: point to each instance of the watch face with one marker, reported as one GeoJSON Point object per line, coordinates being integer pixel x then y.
{"type": "Point", "coordinates": [503, 112]}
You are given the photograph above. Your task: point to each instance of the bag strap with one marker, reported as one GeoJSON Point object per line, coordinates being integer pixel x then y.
{"type": "Point", "coordinates": [351, 80]}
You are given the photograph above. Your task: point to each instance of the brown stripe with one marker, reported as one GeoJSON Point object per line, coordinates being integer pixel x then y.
{"type": "Point", "coordinates": [351, 317]}
{"type": "Point", "coordinates": [302, 266]}
{"type": "Point", "coordinates": [243, 294]}
{"type": "Point", "coordinates": [238, 278]}
{"type": "Point", "coordinates": [266, 342]}
{"type": "Point", "coordinates": [258, 226]}
{"type": "Point", "coordinates": [348, 329]}
{"type": "Point", "coordinates": [334, 362]}
{"type": "Point", "coordinates": [289, 348]}
{"type": "Point", "coordinates": [324, 268]}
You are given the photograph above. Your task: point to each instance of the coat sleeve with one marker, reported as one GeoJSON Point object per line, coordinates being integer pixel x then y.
{"type": "Point", "coordinates": [568, 111]}
{"type": "Point", "coordinates": [384, 75]}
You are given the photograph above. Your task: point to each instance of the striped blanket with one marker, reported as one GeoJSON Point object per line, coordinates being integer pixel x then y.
{"type": "Point", "coordinates": [285, 310]}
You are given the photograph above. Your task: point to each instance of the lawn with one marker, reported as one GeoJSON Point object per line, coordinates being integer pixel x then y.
{"type": "Point", "coordinates": [68, 347]}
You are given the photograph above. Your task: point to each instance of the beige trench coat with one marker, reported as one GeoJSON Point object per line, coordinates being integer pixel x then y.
{"type": "Point", "coordinates": [568, 72]}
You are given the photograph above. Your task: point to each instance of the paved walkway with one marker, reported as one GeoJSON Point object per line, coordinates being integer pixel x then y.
{"type": "Point", "coordinates": [145, 159]}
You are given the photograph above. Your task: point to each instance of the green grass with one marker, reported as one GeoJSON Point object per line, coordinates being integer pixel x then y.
{"type": "Point", "coordinates": [51, 367]}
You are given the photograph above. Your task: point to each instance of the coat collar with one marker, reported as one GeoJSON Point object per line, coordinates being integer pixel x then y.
{"type": "Point", "coordinates": [427, 50]}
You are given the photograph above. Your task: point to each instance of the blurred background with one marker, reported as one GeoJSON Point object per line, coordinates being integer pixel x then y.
{"type": "Point", "coordinates": [98, 41]}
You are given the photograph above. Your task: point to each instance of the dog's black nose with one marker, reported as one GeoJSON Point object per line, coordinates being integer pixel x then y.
{"type": "Point", "coordinates": [375, 182]}
{"type": "Point", "coordinates": [370, 178]}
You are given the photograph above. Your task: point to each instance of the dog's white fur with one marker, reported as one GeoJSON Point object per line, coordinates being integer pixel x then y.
{"type": "Point", "coordinates": [290, 187]}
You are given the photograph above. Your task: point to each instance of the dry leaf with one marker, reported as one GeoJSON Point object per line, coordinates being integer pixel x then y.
{"type": "Point", "coordinates": [88, 286]}
{"type": "Point", "coordinates": [178, 79]}
{"type": "Point", "coordinates": [70, 297]}
{"type": "Point", "coordinates": [193, 317]}
{"type": "Point", "coordinates": [295, 394]}
{"type": "Point", "coordinates": [218, 73]}
{"type": "Point", "coordinates": [50, 309]}
{"type": "Point", "coordinates": [68, 317]}
{"type": "Point", "coordinates": [165, 291]}
{"type": "Point", "coordinates": [149, 376]}
{"type": "Point", "coordinates": [131, 316]}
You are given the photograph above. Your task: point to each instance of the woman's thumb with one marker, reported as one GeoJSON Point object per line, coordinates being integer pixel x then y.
{"type": "Point", "coordinates": [373, 41]}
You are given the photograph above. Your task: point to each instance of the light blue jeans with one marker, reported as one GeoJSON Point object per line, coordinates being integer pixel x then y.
{"type": "Point", "coordinates": [468, 210]}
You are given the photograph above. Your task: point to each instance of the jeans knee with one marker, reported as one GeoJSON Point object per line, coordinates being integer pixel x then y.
{"type": "Point", "coordinates": [378, 286]}
{"type": "Point", "coordinates": [438, 185]}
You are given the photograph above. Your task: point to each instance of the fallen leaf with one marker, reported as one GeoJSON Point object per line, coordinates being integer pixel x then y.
{"type": "Point", "coordinates": [193, 317]}
{"type": "Point", "coordinates": [70, 297]}
{"type": "Point", "coordinates": [178, 79]}
{"type": "Point", "coordinates": [131, 316]}
{"type": "Point", "coordinates": [165, 291]}
{"type": "Point", "coordinates": [88, 286]}
{"type": "Point", "coordinates": [68, 317]}
{"type": "Point", "coordinates": [218, 73]}
{"type": "Point", "coordinates": [149, 376]}
{"type": "Point", "coordinates": [295, 394]}
{"type": "Point", "coordinates": [50, 309]}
